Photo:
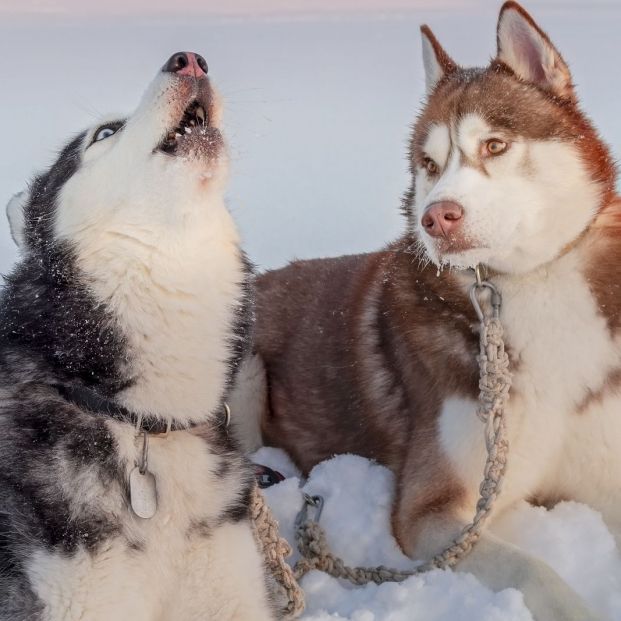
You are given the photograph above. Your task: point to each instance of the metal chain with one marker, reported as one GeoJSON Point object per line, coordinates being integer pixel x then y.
{"type": "Point", "coordinates": [494, 385]}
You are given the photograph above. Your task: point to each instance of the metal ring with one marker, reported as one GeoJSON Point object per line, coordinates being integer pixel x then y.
{"type": "Point", "coordinates": [316, 502]}
{"type": "Point", "coordinates": [227, 415]}
{"type": "Point", "coordinates": [496, 299]}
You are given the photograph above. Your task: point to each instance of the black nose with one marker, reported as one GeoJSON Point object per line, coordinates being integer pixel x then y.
{"type": "Point", "coordinates": [186, 63]}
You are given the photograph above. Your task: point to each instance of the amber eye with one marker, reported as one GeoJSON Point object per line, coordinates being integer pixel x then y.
{"type": "Point", "coordinates": [495, 147]}
{"type": "Point", "coordinates": [430, 166]}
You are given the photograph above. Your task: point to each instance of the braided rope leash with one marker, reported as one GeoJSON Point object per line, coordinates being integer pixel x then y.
{"type": "Point", "coordinates": [275, 550]}
{"type": "Point", "coordinates": [494, 385]}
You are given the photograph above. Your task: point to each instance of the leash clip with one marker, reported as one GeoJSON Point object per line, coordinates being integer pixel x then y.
{"type": "Point", "coordinates": [479, 286]}
{"type": "Point", "coordinates": [316, 502]}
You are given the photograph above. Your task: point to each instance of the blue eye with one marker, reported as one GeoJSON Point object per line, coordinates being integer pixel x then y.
{"type": "Point", "coordinates": [103, 133]}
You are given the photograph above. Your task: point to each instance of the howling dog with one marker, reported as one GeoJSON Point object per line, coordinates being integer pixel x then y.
{"type": "Point", "coordinates": [121, 328]}
{"type": "Point", "coordinates": [376, 354]}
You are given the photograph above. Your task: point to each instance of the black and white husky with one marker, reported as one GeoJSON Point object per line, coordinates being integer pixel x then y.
{"type": "Point", "coordinates": [121, 327]}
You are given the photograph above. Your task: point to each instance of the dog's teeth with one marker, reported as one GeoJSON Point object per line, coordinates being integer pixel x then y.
{"type": "Point", "coordinates": [192, 123]}
{"type": "Point", "coordinates": [200, 113]}
{"type": "Point", "coordinates": [188, 130]}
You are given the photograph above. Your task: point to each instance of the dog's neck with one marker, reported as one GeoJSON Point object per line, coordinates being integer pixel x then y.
{"type": "Point", "coordinates": [175, 297]}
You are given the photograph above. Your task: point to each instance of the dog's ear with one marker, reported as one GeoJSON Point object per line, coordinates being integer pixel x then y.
{"type": "Point", "coordinates": [529, 53]}
{"type": "Point", "coordinates": [15, 213]}
{"type": "Point", "coordinates": [436, 61]}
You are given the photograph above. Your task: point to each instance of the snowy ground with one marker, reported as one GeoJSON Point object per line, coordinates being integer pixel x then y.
{"type": "Point", "coordinates": [318, 108]}
{"type": "Point", "coordinates": [572, 538]}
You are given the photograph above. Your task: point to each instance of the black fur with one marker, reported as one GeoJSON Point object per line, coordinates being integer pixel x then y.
{"type": "Point", "coordinates": [52, 331]}
{"type": "Point", "coordinates": [38, 432]}
{"type": "Point", "coordinates": [245, 318]}
{"type": "Point", "coordinates": [45, 310]}
{"type": "Point", "coordinates": [240, 509]}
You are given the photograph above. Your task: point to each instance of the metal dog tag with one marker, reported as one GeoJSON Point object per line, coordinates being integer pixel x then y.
{"type": "Point", "coordinates": [142, 486]}
{"type": "Point", "coordinates": [142, 493]}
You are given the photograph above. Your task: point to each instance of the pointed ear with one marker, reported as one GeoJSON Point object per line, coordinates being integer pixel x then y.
{"type": "Point", "coordinates": [436, 61]}
{"type": "Point", "coordinates": [15, 213]}
{"type": "Point", "coordinates": [529, 53]}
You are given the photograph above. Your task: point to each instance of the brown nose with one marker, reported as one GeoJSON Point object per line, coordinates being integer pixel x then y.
{"type": "Point", "coordinates": [442, 219]}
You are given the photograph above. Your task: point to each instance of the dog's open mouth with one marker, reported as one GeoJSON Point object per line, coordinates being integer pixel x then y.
{"type": "Point", "coordinates": [193, 133]}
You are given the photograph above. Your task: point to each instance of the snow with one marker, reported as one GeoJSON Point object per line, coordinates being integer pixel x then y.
{"type": "Point", "coordinates": [319, 101]}
{"type": "Point", "coordinates": [571, 538]}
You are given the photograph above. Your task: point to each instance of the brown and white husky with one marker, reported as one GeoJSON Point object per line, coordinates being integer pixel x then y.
{"type": "Point", "coordinates": [375, 354]}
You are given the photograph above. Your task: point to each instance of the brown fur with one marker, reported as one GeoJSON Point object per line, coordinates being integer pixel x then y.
{"type": "Point", "coordinates": [603, 270]}
{"type": "Point", "coordinates": [362, 351]}
{"type": "Point", "coordinates": [357, 354]}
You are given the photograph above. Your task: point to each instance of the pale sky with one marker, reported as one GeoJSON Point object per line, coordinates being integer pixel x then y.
{"type": "Point", "coordinates": [319, 96]}
{"type": "Point", "coordinates": [256, 7]}
{"type": "Point", "coordinates": [227, 7]}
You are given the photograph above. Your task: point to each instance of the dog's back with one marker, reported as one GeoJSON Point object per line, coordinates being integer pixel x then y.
{"type": "Point", "coordinates": [306, 336]}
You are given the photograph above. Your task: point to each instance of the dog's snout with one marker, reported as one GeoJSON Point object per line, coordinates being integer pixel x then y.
{"type": "Point", "coordinates": [186, 63]}
{"type": "Point", "coordinates": [442, 218]}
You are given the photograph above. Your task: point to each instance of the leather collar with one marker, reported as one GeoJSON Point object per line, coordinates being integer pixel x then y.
{"type": "Point", "coordinates": [89, 399]}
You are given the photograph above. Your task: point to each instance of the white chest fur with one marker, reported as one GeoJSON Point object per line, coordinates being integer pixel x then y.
{"type": "Point", "coordinates": [176, 565]}
{"type": "Point", "coordinates": [562, 351]}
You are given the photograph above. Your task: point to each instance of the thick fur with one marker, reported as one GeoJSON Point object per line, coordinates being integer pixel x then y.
{"type": "Point", "coordinates": [131, 282]}
{"type": "Point", "coordinates": [376, 354]}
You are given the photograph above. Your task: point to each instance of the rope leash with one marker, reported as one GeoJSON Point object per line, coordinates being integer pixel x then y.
{"type": "Point", "coordinates": [494, 385]}
{"type": "Point", "coordinates": [275, 550]}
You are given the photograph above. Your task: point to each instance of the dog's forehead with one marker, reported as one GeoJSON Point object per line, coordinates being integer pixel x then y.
{"type": "Point", "coordinates": [465, 132]}
{"type": "Point", "coordinates": [490, 100]}
{"type": "Point", "coordinates": [437, 144]}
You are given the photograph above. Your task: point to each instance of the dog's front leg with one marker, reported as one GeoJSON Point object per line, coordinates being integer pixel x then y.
{"type": "Point", "coordinates": [237, 578]}
{"type": "Point", "coordinates": [500, 565]}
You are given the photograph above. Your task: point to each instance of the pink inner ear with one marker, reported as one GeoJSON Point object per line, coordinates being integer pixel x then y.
{"type": "Point", "coordinates": [528, 49]}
